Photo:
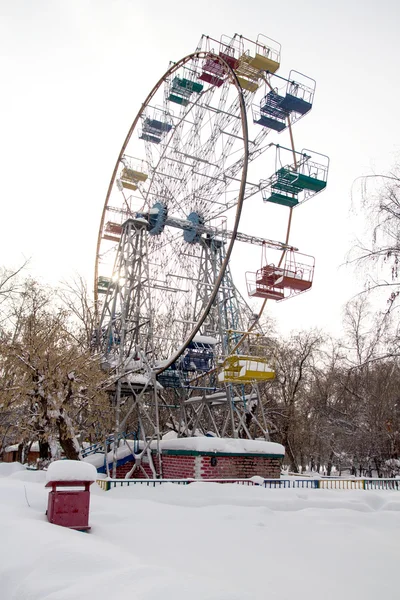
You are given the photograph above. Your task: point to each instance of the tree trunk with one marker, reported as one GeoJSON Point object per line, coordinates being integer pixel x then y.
{"type": "Point", "coordinates": [44, 449]}
{"type": "Point", "coordinates": [292, 460]}
{"type": "Point", "coordinates": [330, 464]}
{"type": "Point", "coordinates": [67, 438]}
{"type": "Point", "coordinates": [20, 453]}
{"type": "Point", "coordinates": [312, 464]}
{"type": "Point", "coordinates": [378, 467]}
{"type": "Point", "coordinates": [303, 462]}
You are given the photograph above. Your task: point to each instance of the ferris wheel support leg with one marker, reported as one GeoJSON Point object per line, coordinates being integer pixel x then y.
{"type": "Point", "coordinates": [157, 430]}
{"type": "Point", "coordinates": [235, 432]}
{"type": "Point", "coordinates": [130, 473]}
{"type": "Point", "coordinates": [213, 421]}
{"type": "Point", "coordinates": [135, 402]}
{"type": "Point", "coordinates": [151, 463]}
{"type": "Point", "coordinates": [264, 425]}
{"type": "Point", "coordinates": [106, 463]}
{"type": "Point", "coordinates": [183, 419]}
{"type": "Point", "coordinates": [264, 429]}
{"type": "Point", "coordinates": [116, 427]}
{"type": "Point", "coordinates": [226, 423]}
{"type": "Point", "coordinates": [242, 423]}
{"type": "Point", "coordinates": [198, 413]}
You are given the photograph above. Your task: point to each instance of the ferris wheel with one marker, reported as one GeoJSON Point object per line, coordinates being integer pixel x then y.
{"type": "Point", "coordinates": [170, 315]}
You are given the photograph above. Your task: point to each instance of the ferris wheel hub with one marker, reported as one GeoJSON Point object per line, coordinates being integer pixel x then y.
{"type": "Point", "coordinates": [192, 235]}
{"type": "Point", "coordinates": [157, 218]}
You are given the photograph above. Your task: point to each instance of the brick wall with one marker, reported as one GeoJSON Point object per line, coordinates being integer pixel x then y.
{"type": "Point", "coordinates": [212, 466]}
{"type": "Point", "coordinates": [231, 467]}
{"type": "Point", "coordinates": [13, 456]}
{"type": "Point", "coordinates": [137, 474]}
{"type": "Point", "coordinates": [122, 470]}
{"type": "Point", "coordinates": [178, 467]}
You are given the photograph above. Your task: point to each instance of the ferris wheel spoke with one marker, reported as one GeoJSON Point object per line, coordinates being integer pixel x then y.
{"type": "Point", "coordinates": [204, 150]}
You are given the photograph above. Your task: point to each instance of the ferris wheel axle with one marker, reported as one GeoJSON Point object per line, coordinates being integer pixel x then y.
{"type": "Point", "coordinates": [194, 229]}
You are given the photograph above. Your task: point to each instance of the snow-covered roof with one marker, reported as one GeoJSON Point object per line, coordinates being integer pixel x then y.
{"type": "Point", "coordinates": [96, 459]}
{"type": "Point", "coordinates": [214, 444]}
{"type": "Point", "coordinates": [170, 435]}
{"type": "Point", "coordinates": [71, 470]}
{"type": "Point", "coordinates": [124, 450]}
{"type": "Point", "coordinates": [137, 378]}
{"type": "Point", "coordinates": [205, 339]}
{"type": "Point", "coordinates": [14, 447]}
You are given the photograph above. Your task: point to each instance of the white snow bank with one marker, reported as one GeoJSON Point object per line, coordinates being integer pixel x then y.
{"type": "Point", "coordinates": [7, 469]}
{"type": "Point", "coordinates": [37, 476]}
{"type": "Point", "coordinates": [213, 444]}
{"type": "Point", "coordinates": [303, 532]}
{"type": "Point", "coordinates": [71, 470]}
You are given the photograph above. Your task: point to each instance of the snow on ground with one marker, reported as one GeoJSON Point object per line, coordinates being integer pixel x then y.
{"type": "Point", "coordinates": [203, 541]}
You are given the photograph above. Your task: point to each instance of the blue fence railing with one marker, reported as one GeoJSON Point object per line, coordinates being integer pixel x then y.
{"type": "Point", "coordinates": [329, 484]}
{"type": "Point", "coordinates": [382, 484]}
{"type": "Point", "coordinates": [107, 484]}
{"type": "Point", "coordinates": [290, 483]}
{"type": "Point", "coordinates": [99, 446]}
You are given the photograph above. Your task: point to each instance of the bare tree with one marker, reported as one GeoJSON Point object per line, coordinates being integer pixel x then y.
{"type": "Point", "coordinates": [366, 383]}
{"type": "Point", "coordinates": [379, 252]}
{"type": "Point", "coordinates": [368, 334]}
{"type": "Point", "coordinates": [9, 289]}
{"type": "Point", "coordinates": [50, 385]}
{"type": "Point", "coordinates": [79, 302]}
{"type": "Point", "coordinates": [286, 399]}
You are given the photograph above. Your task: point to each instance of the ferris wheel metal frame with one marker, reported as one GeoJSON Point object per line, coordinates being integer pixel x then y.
{"type": "Point", "coordinates": [227, 66]}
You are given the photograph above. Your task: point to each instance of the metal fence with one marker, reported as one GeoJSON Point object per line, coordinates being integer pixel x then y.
{"type": "Point", "coordinates": [327, 484]}
{"type": "Point", "coordinates": [290, 483]}
{"type": "Point", "coordinates": [107, 484]}
{"type": "Point", "coordinates": [382, 484]}
{"type": "Point", "coordinates": [341, 484]}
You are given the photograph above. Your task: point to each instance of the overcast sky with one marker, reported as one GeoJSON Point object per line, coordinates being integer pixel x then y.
{"type": "Point", "coordinates": [75, 72]}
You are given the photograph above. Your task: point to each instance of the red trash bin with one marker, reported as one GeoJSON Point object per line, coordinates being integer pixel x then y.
{"type": "Point", "coordinates": [69, 508]}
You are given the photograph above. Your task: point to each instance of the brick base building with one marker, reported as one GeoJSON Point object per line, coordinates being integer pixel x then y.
{"type": "Point", "coordinates": [209, 458]}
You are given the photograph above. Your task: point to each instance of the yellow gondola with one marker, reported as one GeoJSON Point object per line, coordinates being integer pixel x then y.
{"type": "Point", "coordinates": [241, 368]}
{"type": "Point", "coordinates": [131, 177]}
{"type": "Point", "coordinates": [246, 84]}
{"type": "Point", "coordinates": [263, 63]}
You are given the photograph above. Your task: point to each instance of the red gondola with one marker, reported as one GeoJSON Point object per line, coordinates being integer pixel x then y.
{"type": "Point", "coordinates": [277, 283]}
